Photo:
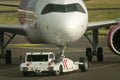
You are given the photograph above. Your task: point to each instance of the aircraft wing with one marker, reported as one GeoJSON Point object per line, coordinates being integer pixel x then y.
{"type": "Point", "coordinates": [10, 28]}
{"type": "Point", "coordinates": [102, 24]}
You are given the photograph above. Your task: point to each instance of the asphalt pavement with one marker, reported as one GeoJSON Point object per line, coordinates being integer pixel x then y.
{"type": "Point", "coordinates": [106, 70]}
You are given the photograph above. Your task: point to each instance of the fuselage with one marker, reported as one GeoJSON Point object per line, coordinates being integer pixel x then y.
{"type": "Point", "coordinates": [58, 22]}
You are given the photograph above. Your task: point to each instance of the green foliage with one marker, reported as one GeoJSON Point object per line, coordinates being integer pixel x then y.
{"type": "Point", "coordinates": [103, 3]}
{"type": "Point", "coordinates": [9, 19]}
{"type": "Point", "coordinates": [103, 15]}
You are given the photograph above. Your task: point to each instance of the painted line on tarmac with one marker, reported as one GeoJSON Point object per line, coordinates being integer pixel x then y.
{"type": "Point", "coordinates": [24, 45]}
{"type": "Point", "coordinates": [38, 48]}
{"type": "Point", "coordinates": [56, 49]}
{"type": "Point", "coordinates": [34, 47]}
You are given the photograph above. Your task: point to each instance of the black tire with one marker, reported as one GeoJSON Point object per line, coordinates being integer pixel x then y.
{"type": "Point", "coordinates": [84, 67]}
{"type": "Point", "coordinates": [100, 54]}
{"type": "Point", "coordinates": [61, 69]}
{"type": "Point", "coordinates": [26, 74]}
{"type": "Point", "coordinates": [56, 73]}
{"type": "Point", "coordinates": [8, 57]}
{"type": "Point", "coordinates": [89, 54]}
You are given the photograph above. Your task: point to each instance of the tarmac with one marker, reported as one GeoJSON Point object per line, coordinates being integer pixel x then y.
{"type": "Point", "coordinates": [106, 70]}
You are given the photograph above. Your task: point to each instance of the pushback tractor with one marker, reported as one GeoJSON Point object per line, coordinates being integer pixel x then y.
{"type": "Point", "coordinates": [47, 63]}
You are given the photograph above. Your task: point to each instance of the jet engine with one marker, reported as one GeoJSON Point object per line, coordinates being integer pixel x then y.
{"type": "Point", "coordinates": [114, 39]}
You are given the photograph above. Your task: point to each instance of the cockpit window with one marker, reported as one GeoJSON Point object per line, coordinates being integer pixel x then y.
{"type": "Point", "coordinates": [62, 8]}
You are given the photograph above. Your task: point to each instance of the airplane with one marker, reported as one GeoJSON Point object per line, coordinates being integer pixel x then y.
{"type": "Point", "coordinates": [59, 22]}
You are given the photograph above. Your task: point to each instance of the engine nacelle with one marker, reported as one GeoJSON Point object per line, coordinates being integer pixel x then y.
{"type": "Point", "coordinates": [114, 39]}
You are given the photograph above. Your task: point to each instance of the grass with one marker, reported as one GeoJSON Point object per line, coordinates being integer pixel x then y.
{"type": "Point", "coordinates": [9, 19]}
{"type": "Point", "coordinates": [103, 3]}
{"type": "Point", "coordinates": [2, 8]}
{"type": "Point", "coordinates": [9, 2]}
{"type": "Point", "coordinates": [103, 15]}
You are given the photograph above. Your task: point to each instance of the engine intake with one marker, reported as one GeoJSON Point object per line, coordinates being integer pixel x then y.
{"type": "Point", "coordinates": [114, 39]}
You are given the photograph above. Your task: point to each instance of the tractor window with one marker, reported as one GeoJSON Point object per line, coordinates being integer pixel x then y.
{"type": "Point", "coordinates": [37, 58]}
{"type": "Point", "coordinates": [51, 56]}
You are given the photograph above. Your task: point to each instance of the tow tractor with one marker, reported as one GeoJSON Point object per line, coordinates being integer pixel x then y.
{"type": "Point", "coordinates": [46, 62]}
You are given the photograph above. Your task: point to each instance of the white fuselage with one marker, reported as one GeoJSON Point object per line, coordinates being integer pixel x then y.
{"type": "Point", "coordinates": [55, 27]}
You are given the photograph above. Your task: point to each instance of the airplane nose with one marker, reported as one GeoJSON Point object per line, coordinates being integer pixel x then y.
{"type": "Point", "coordinates": [71, 29]}
{"type": "Point", "coordinates": [64, 29]}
